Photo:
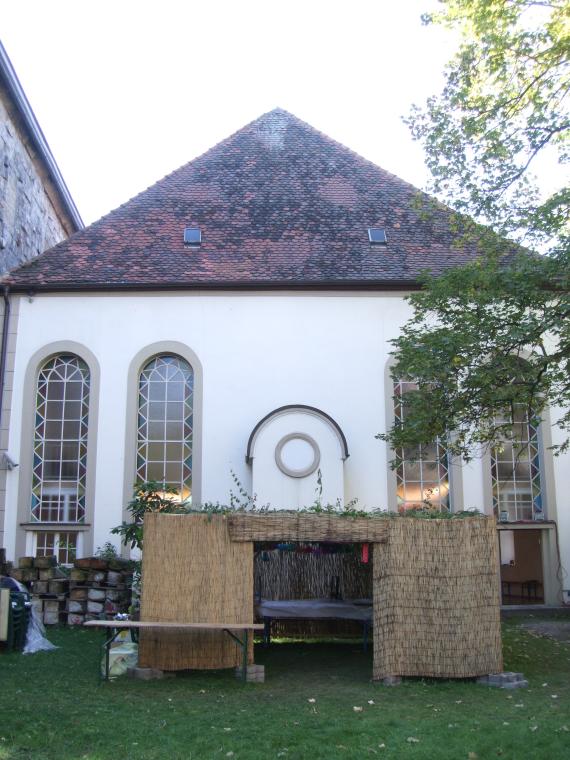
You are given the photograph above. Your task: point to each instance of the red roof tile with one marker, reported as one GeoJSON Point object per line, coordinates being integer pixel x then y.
{"type": "Point", "coordinates": [278, 203]}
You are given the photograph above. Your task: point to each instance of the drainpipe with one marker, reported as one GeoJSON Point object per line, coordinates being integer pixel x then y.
{"type": "Point", "coordinates": [4, 346]}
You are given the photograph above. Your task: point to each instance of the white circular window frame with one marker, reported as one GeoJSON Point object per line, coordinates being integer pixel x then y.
{"type": "Point", "coordinates": [305, 471]}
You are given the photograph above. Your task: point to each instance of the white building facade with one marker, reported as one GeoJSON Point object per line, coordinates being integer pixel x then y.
{"type": "Point", "coordinates": [282, 385]}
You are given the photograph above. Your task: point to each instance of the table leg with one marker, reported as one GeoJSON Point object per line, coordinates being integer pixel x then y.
{"type": "Point", "coordinates": [107, 657]}
{"type": "Point", "coordinates": [266, 631]}
{"type": "Point", "coordinates": [244, 644]}
{"type": "Point", "coordinates": [365, 635]}
{"type": "Point", "coordinates": [107, 646]}
{"type": "Point", "coordinates": [245, 648]}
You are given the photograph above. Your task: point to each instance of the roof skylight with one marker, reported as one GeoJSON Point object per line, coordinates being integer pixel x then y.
{"type": "Point", "coordinates": [377, 236]}
{"type": "Point", "coordinates": [192, 236]}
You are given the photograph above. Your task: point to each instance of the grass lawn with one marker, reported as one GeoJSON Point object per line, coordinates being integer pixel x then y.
{"type": "Point", "coordinates": [52, 706]}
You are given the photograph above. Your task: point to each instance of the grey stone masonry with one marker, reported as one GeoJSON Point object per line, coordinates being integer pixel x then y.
{"type": "Point", "coordinates": [392, 681]}
{"type": "Point", "coordinates": [7, 404]}
{"type": "Point", "coordinates": [29, 221]}
{"type": "Point", "coordinates": [506, 680]}
{"type": "Point", "coordinates": [254, 673]}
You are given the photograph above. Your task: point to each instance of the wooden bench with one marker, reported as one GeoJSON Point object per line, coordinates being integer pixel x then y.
{"type": "Point", "coordinates": [116, 626]}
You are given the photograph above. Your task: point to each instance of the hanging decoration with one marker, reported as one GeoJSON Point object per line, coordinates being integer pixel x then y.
{"type": "Point", "coordinates": [295, 547]}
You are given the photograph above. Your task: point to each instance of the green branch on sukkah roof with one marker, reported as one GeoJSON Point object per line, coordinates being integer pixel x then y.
{"type": "Point", "coordinates": [333, 510]}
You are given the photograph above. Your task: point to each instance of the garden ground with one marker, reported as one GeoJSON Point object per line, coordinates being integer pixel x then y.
{"type": "Point", "coordinates": [317, 702]}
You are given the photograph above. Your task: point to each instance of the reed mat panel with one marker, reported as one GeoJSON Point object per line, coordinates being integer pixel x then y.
{"type": "Point", "coordinates": [294, 575]}
{"type": "Point", "coordinates": [193, 573]}
{"type": "Point", "coordinates": [287, 526]}
{"type": "Point", "coordinates": [437, 599]}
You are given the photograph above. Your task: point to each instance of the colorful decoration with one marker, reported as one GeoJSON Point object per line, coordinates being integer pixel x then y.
{"type": "Point", "coordinates": [307, 548]}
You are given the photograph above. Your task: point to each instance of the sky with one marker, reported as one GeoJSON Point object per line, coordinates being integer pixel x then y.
{"type": "Point", "coordinates": [125, 92]}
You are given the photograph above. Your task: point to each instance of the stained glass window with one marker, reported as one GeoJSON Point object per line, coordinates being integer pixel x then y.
{"type": "Point", "coordinates": [164, 446]}
{"type": "Point", "coordinates": [60, 441]}
{"type": "Point", "coordinates": [422, 472]}
{"type": "Point", "coordinates": [515, 469]}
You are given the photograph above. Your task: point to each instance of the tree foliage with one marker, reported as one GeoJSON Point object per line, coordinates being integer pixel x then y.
{"type": "Point", "coordinates": [483, 338]}
{"type": "Point", "coordinates": [147, 497]}
{"type": "Point", "coordinates": [504, 104]}
{"type": "Point", "coordinates": [503, 108]}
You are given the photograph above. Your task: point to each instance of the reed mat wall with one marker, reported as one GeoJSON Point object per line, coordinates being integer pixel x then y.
{"type": "Point", "coordinates": [436, 599]}
{"type": "Point", "coordinates": [193, 573]}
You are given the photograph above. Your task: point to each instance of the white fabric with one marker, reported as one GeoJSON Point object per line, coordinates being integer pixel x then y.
{"type": "Point", "coordinates": [36, 635]}
{"type": "Point", "coordinates": [350, 609]}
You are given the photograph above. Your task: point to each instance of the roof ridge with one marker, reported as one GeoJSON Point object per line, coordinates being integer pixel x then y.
{"type": "Point", "coordinates": [260, 119]}
{"type": "Point", "coordinates": [348, 150]}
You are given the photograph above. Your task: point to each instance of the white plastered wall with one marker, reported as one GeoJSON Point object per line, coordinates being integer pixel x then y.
{"type": "Point", "coordinates": [561, 467]}
{"type": "Point", "coordinates": [258, 352]}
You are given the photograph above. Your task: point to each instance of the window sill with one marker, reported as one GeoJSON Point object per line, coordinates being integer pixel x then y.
{"type": "Point", "coordinates": [527, 525]}
{"type": "Point", "coordinates": [55, 526]}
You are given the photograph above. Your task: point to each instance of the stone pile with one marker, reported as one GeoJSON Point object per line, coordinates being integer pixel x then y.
{"type": "Point", "coordinates": [93, 589]}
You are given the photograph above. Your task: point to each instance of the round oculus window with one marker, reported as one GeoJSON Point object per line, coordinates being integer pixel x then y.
{"type": "Point", "coordinates": [297, 455]}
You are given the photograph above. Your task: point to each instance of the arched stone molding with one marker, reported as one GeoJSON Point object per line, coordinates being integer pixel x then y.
{"type": "Point", "coordinates": [288, 409]}
{"type": "Point", "coordinates": [297, 455]}
{"type": "Point", "coordinates": [37, 360]}
{"type": "Point", "coordinates": [139, 360]}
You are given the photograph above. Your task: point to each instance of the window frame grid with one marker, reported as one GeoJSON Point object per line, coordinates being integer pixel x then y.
{"type": "Point", "coordinates": [509, 492]}
{"type": "Point", "coordinates": [61, 549]}
{"type": "Point", "coordinates": [168, 370]}
{"type": "Point", "coordinates": [442, 481]}
{"type": "Point", "coordinates": [64, 369]}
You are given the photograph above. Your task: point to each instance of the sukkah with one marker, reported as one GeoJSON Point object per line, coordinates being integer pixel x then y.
{"type": "Point", "coordinates": [435, 586]}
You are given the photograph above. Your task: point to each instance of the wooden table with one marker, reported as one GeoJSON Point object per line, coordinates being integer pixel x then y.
{"type": "Point", "coordinates": [116, 626]}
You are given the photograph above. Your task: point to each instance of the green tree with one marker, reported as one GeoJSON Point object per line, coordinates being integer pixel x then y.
{"type": "Point", "coordinates": [504, 105]}
{"type": "Point", "coordinates": [148, 497]}
{"type": "Point", "coordinates": [483, 338]}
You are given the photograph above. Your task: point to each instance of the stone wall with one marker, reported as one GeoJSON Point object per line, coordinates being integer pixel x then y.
{"type": "Point", "coordinates": [93, 589]}
{"type": "Point", "coordinates": [7, 403]}
{"type": "Point", "coordinates": [31, 219]}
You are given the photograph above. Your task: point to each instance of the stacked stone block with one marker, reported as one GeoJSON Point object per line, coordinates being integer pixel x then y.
{"type": "Point", "coordinates": [92, 589]}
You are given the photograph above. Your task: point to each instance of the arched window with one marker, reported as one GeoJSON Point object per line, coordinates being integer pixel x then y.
{"type": "Point", "coordinates": [422, 472]}
{"type": "Point", "coordinates": [515, 469]}
{"type": "Point", "coordinates": [60, 441]}
{"type": "Point", "coordinates": [164, 440]}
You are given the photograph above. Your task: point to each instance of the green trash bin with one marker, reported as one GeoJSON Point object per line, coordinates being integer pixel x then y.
{"type": "Point", "coordinates": [18, 621]}
{"type": "Point", "coordinates": [19, 614]}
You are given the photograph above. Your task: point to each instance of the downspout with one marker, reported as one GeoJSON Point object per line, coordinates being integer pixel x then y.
{"type": "Point", "coordinates": [4, 346]}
